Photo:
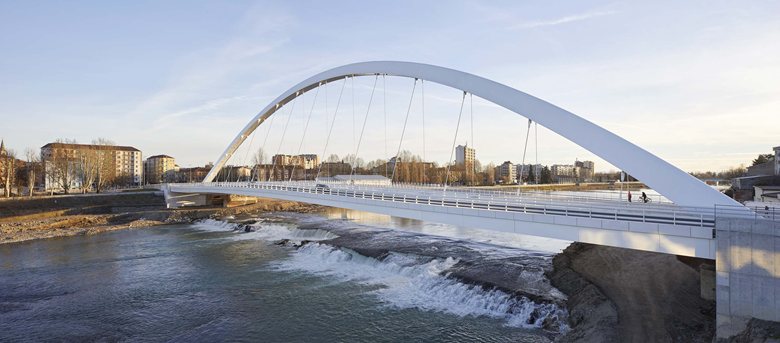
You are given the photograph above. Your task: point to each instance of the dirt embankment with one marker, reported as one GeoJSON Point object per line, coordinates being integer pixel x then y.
{"type": "Point", "coordinates": [623, 295]}
{"type": "Point", "coordinates": [24, 219]}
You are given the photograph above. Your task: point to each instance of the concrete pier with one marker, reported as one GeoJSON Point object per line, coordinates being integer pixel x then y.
{"type": "Point", "coordinates": [747, 268]}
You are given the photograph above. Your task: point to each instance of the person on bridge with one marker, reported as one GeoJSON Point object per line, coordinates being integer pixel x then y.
{"type": "Point", "coordinates": [629, 196]}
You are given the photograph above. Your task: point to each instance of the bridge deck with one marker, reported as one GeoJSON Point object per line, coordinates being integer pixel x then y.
{"type": "Point", "coordinates": [661, 227]}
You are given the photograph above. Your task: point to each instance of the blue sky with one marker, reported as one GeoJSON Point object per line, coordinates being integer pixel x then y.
{"type": "Point", "coordinates": [693, 82]}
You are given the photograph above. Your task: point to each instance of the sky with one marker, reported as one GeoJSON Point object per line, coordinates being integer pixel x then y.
{"type": "Point", "coordinates": [693, 82]}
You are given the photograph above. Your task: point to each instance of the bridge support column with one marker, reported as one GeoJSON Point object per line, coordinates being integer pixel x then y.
{"type": "Point", "coordinates": [747, 269]}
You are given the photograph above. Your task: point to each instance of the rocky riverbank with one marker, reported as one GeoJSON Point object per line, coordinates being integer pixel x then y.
{"type": "Point", "coordinates": [23, 219]}
{"type": "Point", "coordinates": [622, 295]}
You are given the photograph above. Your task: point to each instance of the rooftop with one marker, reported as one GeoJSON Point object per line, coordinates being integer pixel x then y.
{"type": "Point", "coordinates": [159, 156]}
{"type": "Point", "coordinates": [89, 146]}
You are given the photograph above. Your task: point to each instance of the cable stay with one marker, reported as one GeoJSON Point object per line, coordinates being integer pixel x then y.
{"type": "Point", "coordinates": [284, 132]}
{"type": "Point", "coordinates": [246, 155]}
{"type": "Point", "coordinates": [454, 139]}
{"type": "Point", "coordinates": [525, 147]}
{"type": "Point", "coordinates": [362, 130]}
{"type": "Point", "coordinates": [473, 164]}
{"type": "Point", "coordinates": [305, 127]}
{"type": "Point", "coordinates": [384, 105]}
{"type": "Point", "coordinates": [422, 89]}
{"type": "Point", "coordinates": [403, 132]}
{"type": "Point", "coordinates": [536, 154]}
{"type": "Point", "coordinates": [330, 131]}
{"type": "Point", "coordinates": [352, 89]}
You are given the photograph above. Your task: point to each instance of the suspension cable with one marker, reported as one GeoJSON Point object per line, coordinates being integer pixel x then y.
{"type": "Point", "coordinates": [384, 104]}
{"type": "Point", "coordinates": [305, 127]}
{"type": "Point", "coordinates": [536, 154]}
{"type": "Point", "coordinates": [284, 132]}
{"type": "Point", "coordinates": [246, 155]}
{"type": "Point", "coordinates": [473, 163]}
{"type": "Point", "coordinates": [330, 131]}
{"type": "Point", "coordinates": [422, 88]}
{"type": "Point", "coordinates": [522, 164]}
{"type": "Point", "coordinates": [408, 110]}
{"type": "Point", "coordinates": [362, 130]}
{"type": "Point", "coordinates": [262, 147]}
{"type": "Point", "coordinates": [352, 89]}
{"type": "Point", "coordinates": [454, 139]}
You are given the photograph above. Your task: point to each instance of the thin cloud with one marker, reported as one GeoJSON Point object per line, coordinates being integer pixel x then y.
{"type": "Point", "coordinates": [563, 20]}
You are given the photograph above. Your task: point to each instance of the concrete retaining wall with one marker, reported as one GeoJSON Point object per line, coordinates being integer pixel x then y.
{"type": "Point", "coordinates": [747, 268]}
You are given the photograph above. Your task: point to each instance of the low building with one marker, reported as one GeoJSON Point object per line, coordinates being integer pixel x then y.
{"type": "Point", "coordinates": [524, 170]}
{"type": "Point", "coordinates": [766, 193]}
{"type": "Point", "coordinates": [763, 169]}
{"type": "Point", "coordinates": [235, 174]}
{"type": "Point", "coordinates": [564, 173]}
{"type": "Point", "coordinates": [193, 174]}
{"type": "Point", "coordinates": [335, 168]}
{"type": "Point", "coordinates": [70, 162]}
{"type": "Point", "coordinates": [305, 161]}
{"type": "Point", "coordinates": [159, 169]}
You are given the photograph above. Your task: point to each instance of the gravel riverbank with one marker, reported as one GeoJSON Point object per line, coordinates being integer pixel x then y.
{"type": "Point", "coordinates": [23, 219]}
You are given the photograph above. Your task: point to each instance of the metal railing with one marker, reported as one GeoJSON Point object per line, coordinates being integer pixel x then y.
{"type": "Point", "coordinates": [528, 203]}
{"type": "Point", "coordinates": [755, 213]}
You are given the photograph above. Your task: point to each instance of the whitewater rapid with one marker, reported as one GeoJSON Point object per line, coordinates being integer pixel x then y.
{"type": "Point", "coordinates": [397, 280]}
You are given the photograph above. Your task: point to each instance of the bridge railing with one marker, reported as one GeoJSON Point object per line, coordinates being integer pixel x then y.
{"type": "Point", "coordinates": [460, 191]}
{"type": "Point", "coordinates": [756, 213]}
{"type": "Point", "coordinates": [674, 215]}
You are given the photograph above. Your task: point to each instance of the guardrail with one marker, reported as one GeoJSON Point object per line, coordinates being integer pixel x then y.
{"type": "Point", "coordinates": [756, 213]}
{"type": "Point", "coordinates": [660, 214]}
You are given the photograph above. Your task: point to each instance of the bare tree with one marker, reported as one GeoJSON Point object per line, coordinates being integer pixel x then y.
{"type": "Point", "coordinates": [33, 163]}
{"type": "Point", "coordinates": [62, 166]}
{"type": "Point", "coordinates": [9, 163]}
{"type": "Point", "coordinates": [259, 157]}
{"type": "Point", "coordinates": [104, 166]}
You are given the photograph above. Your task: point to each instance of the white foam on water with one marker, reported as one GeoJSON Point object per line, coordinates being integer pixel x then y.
{"type": "Point", "coordinates": [405, 281]}
{"type": "Point", "coordinates": [214, 225]}
{"type": "Point", "coordinates": [263, 231]}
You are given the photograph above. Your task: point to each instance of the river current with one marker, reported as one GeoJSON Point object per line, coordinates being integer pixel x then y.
{"type": "Point", "coordinates": [210, 282]}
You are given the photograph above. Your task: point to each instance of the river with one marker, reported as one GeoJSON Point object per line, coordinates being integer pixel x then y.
{"type": "Point", "coordinates": [209, 282]}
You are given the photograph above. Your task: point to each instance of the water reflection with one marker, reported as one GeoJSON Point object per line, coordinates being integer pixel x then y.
{"type": "Point", "coordinates": [512, 240]}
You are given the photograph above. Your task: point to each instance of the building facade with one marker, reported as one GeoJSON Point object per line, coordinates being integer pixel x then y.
{"type": "Point", "coordinates": [586, 170]}
{"type": "Point", "coordinates": [159, 169]}
{"type": "Point", "coordinates": [68, 165]}
{"type": "Point", "coordinates": [465, 156]}
{"type": "Point", "coordinates": [523, 171]}
{"type": "Point", "coordinates": [305, 161]}
{"type": "Point", "coordinates": [193, 174]}
{"type": "Point", "coordinates": [506, 173]}
{"type": "Point", "coordinates": [564, 173]}
{"type": "Point", "coordinates": [777, 160]}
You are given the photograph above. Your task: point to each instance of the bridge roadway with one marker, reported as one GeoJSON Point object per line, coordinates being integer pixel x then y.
{"type": "Point", "coordinates": [657, 226]}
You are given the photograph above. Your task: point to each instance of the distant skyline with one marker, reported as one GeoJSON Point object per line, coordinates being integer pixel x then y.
{"type": "Point", "coordinates": [694, 83]}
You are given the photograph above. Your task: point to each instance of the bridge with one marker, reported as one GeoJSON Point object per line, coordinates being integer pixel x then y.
{"type": "Point", "coordinates": [697, 221]}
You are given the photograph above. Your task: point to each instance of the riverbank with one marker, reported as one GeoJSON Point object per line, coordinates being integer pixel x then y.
{"type": "Point", "coordinates": [623, 295]}
{"type": "Point", "coordinates": [23, 219]}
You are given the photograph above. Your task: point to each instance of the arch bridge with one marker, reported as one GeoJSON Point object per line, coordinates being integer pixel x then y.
{"type": "Point", "coordinates": [698, 221]}
{"type": "Point", "coordinates": [683, 227]}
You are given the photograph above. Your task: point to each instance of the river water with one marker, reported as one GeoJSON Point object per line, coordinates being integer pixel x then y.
{"type": "Point", "coordinates": [209, 282]}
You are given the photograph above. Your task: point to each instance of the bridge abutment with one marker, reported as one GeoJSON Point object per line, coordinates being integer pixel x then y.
{"type": "Point", "coordinates": [747, 269]}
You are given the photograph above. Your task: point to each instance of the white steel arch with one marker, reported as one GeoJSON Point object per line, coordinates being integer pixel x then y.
{"type": "Point", "coordinates": [677, 185]}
